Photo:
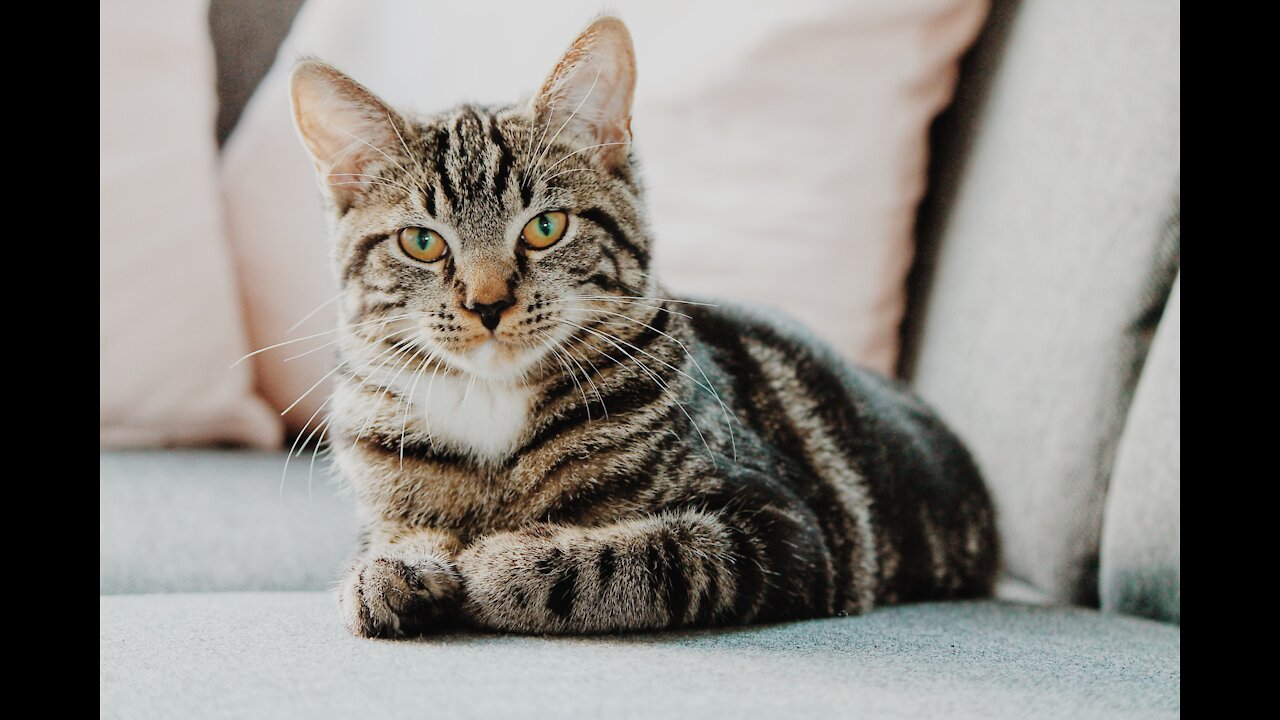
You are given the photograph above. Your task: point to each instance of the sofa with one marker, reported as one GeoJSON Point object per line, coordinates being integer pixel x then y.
{"type": "Point", "coordinates": [1044, 325]}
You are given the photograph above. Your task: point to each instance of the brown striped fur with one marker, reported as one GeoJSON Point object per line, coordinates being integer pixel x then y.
{"type": "Point", "coordinates": [607, 458]}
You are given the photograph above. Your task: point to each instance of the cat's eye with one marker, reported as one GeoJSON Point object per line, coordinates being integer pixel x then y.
{"type": "Point", "coordinates": [545, 230]}
{"type": "Point", "coordinates": [423, 244]}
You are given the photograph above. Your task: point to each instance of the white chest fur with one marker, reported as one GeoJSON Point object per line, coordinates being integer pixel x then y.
{"type": "Point", "coordinates": [485, 419]}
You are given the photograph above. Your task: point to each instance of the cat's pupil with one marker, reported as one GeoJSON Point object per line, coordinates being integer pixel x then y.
{"type": "Point", "coordinates": [544, 224]}
{"type": "Point", "coordinates": [424, 239]}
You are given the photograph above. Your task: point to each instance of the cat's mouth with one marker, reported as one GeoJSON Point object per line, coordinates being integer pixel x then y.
{"type": "Point", "coordinates": [494, 358]}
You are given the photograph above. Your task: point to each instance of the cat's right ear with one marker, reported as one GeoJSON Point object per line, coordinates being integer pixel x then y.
{"type": "Point", "coordinates": [344, 126]}
{"type": "Point", "coordinates": [589, 92]}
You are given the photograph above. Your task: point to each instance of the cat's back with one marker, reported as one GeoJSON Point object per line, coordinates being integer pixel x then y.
{"type": "Point", "coordinates": [761, 349]}
{"type": "Point", "coordinates": [756, 345]}
{"type": "Point", "coordinates": [859, 429]}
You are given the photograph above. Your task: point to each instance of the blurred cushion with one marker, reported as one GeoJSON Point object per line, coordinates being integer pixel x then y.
{"type": "Point", "coordinates": [207, 520]}
{"type": "Point", "coordinates": [169, 316]}
{"type": "Point", "coordinates": [1141, 531]}
{"type": "Point", "coordinates": [285, 655]}
{"type": "Point", "coordinates": [783, 145]}
{"type": "Point", "coordinates": [1054, 260]}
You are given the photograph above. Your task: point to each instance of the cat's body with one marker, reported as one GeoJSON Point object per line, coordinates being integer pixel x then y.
{"type": "Point", "coordinates": [541, 441]}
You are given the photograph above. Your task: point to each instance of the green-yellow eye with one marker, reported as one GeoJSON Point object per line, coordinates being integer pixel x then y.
{"type": "Point", "coordinates": [422, 244]}
{"type": "Point", "coordinates": [545, 230]}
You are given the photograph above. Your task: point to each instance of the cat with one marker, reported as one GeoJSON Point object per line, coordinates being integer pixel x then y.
{"type": "Point", "coordinates": [541, 441]}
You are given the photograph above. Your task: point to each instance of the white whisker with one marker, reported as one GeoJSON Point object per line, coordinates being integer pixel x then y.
{"type": "Point", "coordinates": [317, 348]}
{"type": "Point", "coordinates": [315, 451]}
{"type": "Point", "coordinates": [407, 345]}
{"type": "Point", "coordinates": [390, 159]}
{"type": "Point", "coordinates": [289, 456]}
{"type": "Point", "coordinates": [326, 376]}
{"type": "Point", "coordinates": [568, 370]}
{"type": "Point", "coordinates": [642, 297]}
{"type": "Point", "coordinates": [595, 370]}
{"type": "Point", "coordinates": [575, 152]}
{"type": "Point", "coordinates": [566, 172]}
{"type": "Point", "coordinates": [377, 181]}
{"type": "Point", "coordinates": [340, 328]}
{"type": "Point", "coordinates": [728, 418]}
{"type": "Point", "coordinates": [624, 302]}
{"type": "Point", "coordinates": [408, 399]}
{"type": "Point", "coordinates": [568, 120]}
{"type": "Point", "coordinates": [653, 376]}
{"type": "Point", "coordinates": [426, 407]}
{"type": "Point", "coordinates": [311, 314]}
{"type": "Point", "coordinates": [463, 402]}
{"type": "Point", "coordinates": [403, 144]}
{"type": "Point", "coordinates": [551, 111]}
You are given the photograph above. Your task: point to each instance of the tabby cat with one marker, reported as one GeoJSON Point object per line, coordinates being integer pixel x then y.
{"type": "Point", "coordinates": [540, 441]}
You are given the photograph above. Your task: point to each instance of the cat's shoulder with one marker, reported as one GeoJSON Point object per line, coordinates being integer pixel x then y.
{"type": "Point", "coordinates": [729, 322]}
{"type": "Point", "coordinates": [733, 326]}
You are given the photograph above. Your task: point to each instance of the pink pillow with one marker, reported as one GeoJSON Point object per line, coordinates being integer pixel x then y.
{"type": "Point", "coordinates": [170, 322]}
{"type": "Point", "coordinates": [784, 147]}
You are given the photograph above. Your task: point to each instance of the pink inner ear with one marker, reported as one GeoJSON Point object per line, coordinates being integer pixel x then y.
{"type": "Point", "coordinates": [344, 126]}
{"type": "Point", "coordinates": [593, 84]}
{"type": "Point", "coordinates": [353, 138]}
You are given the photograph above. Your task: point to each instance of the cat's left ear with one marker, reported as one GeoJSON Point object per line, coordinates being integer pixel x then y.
{"type": "Point", "coordinates": [590, 90]}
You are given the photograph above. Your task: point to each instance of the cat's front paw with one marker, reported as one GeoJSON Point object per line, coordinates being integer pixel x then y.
{"type": "Point", "coordinates": [386, 597]}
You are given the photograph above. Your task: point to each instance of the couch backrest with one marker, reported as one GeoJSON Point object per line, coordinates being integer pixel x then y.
{"type": "Point", "coordinates": [1141, 545]}
{"type": "Point", "coordinates": [246, 35]}
{"type": "Point", "coordinates": [1048, 248]}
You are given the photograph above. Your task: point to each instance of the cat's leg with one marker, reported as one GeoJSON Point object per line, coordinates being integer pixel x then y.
{"type": "Point", "coordinates": [401, 586]}
{"type": "Point", "coordinates": [682, 569]}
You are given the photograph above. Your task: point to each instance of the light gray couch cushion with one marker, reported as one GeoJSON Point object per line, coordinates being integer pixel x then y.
{"type": "Point", "coordinates": [1053, 261]}
{"type": "Point", "coordinates": [284, 655]}
{"type": "Point", "coordinates": [1141, 535]}
{"type": "Point", "coordinates": [199, 520]}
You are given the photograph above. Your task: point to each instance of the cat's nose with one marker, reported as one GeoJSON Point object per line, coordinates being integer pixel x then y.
{"type": "Point", "coordinates": [491, 313]}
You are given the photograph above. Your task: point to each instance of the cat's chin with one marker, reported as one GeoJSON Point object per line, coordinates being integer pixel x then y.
{"type": "Point", "coordinates": [494, 360]}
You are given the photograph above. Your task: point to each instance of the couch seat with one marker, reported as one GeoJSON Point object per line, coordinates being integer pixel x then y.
{"type": "Point", "coordinates": [284, 655]}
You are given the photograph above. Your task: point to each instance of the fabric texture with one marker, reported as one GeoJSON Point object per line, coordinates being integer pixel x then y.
{"type": "Point", "coordinates": [169, 316]}
{"type": "Point", "coordinates": [188, 521]}
{"type": "Point", "coordinates": [1052, 265]}
{"type": "Point", "coordinates": [1141, 533]}
{"type": "Point", "coordinates": [783, 168]}
{"type": "Point", "coordinates": [285, 655]}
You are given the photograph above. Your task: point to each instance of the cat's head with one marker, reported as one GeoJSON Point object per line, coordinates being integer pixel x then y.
{"type": "Point", "coordinates": [480, 237]}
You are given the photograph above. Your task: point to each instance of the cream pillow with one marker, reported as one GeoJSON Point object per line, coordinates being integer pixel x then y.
{"type": "Point", "coordinates": [784, 147]}
{"type": "Point", "coordinates": [170, 319]}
